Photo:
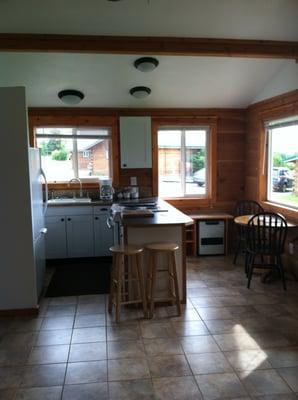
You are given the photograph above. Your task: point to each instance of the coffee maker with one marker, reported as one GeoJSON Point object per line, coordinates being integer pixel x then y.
{"type": "Point", "coordinates": [106, 189]}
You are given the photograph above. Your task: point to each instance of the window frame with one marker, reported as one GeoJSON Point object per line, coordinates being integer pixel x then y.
{"type": "Point", "coordinates": [269, 125]}
{"type": "Point", "coordinates": [84, 119]}
{"type": "Point", "coordinates": [183, 130]}
{"type": "Point", "coordinates": [75, 136]}
{"type": "Point", "coordinates": [209, 121]}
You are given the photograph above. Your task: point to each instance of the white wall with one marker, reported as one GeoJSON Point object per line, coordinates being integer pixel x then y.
{"type": "Point", "coordinates": [17, 269]}
{"type": "Point", "coordinates": [285, 80]}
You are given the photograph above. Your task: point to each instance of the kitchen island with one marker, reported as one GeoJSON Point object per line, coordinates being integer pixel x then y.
{"type": "Point", "coordinates": [167, 224]}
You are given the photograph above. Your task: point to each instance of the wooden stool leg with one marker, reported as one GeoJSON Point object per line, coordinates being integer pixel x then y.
{"type": "Point", "coordinates": [141, 283]}
{"type": "Point", "coordinates": [119, 286]}
{"type": "Point", "coordinates": [178, 304]}
{"type": "Point", "coordinates": [171, 276]}
{"type": "Point", "coordinates": [112, 284]}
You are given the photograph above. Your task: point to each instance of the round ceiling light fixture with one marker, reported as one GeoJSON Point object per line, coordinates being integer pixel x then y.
{"type": "Point", "coordinates": [146, 64]}
{"type": "Point", "coordinates": [70, 96]}
{"type": "Point", "coordinates": [140, 92]}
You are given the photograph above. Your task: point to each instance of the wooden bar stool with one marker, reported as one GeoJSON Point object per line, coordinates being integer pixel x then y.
{"type": "Point", "coordinates": [126, 279]}
{"type": "Point", "coordinates": [168, 249]}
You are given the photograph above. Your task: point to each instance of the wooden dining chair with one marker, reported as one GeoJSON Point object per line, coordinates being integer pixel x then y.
{"type": "Point", "coordinates": [244, 207]}
{"type": "Point", "coordinates": [265, 237]}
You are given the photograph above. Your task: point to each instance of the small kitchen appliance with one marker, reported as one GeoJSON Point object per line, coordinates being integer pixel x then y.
{"type": "Point", "coordinates": [106, 189]}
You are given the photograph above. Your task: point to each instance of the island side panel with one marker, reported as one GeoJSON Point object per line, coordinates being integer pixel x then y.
{"type": "Point", "coordinates": [162, 233]}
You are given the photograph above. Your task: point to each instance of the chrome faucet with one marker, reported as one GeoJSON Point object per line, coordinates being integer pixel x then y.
{"type": "Point", "coordinates": [80, 183]}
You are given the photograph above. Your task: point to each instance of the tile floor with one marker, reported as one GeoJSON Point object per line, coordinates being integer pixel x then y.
{"type": "Point", "coordinates": [230, 343]}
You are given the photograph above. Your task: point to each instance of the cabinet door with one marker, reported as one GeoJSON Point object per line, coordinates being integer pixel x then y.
{"type": "Point", "coordinates": [103, 236]}
{"type": "Point", "coordinates": [135, 142]}
{"type": "Point", "coordinates": [56, 237]}
{"type": "Point", "coordinates": [80, 241]}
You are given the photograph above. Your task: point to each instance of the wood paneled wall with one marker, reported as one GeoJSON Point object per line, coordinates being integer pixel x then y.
{"type": "Point", "coordinates": [255, 147]}
{"type": "Point", "coordinates": [228, 158]}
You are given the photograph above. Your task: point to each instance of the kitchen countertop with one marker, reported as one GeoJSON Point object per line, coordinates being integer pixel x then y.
{"type": "Point", "coordinates": [171, 216]}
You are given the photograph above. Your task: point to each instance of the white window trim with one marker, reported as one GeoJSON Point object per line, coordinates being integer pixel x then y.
{"type": "Point", "coordinates": [74, 135]}
{"type": "Point", "coordinates": [269, 128]}
{"type": "Point", "coordinates": [184, 128]}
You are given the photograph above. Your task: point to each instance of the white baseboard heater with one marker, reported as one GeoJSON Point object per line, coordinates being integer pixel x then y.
{"type": "Point", "coordinates": [211, 235]}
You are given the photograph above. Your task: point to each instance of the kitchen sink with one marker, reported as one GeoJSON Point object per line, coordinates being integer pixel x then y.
{"type": "Point", "coordinates": [75, 200]}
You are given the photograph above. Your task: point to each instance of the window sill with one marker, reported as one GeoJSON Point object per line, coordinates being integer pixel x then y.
{"type": "Point", "coordinates": [289, 212]}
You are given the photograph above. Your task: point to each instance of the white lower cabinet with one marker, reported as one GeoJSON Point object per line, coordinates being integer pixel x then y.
{"type": "Point", "coordinates": [77, 232]}
{"type": "Point", "coordinates": [103, 236]}
{"type": "Point", "coordinates": [56, 246]}
{"type": "Point", "coordinates": [80, 238]}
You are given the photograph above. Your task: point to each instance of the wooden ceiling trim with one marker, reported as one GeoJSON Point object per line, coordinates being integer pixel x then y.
{"type": "Point", "coordinates": [171, 46]}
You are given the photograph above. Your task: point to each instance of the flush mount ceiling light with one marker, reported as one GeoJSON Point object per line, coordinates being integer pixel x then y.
{"type": "Point", "coordinates": [70, 96]}
{"type": "Point", "coordinates": [146, 64]}
{"type": "Point", "coordinates": [140, 92]}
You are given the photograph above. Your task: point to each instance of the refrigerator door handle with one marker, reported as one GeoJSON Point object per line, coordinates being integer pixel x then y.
{"type": "Point", "coordinates": [46, 191]}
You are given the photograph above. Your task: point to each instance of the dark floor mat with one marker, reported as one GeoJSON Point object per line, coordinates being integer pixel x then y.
{"type": "Point", "coordinates": [80, 277]}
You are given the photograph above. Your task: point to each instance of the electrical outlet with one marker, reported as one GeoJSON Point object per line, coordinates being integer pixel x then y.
{"type": "Point", "coordinates": [133, 181]}
{"type": "Point", "coordinates": [291, 248]}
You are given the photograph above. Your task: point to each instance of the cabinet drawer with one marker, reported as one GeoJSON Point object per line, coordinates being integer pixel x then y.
{"type": "Point", "coordinates": [69, 210]}
{"type": "Point", "coordinates": [101, 209]}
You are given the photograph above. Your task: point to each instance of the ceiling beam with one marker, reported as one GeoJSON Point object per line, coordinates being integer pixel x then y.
{"type": "Point", "coordinates": [148, 45]}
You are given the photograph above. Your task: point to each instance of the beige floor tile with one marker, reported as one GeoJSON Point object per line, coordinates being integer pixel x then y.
{"type": "Point", "coordinates": [87, 335]}
{"type": "Point", "coordinates": [86, 391]}
{"type": "Point", "coordinates": [10, 377]}
{"type": "Point", "coordinates": [43, 375]}
{"type": "Point", "coordinates": [86, 321]}
{"type": "Point", "coordinates": [54, 337]}
{"type": "Point", "coordinates": [126, 349]}
{"type": "Point", "coordinates": [26, 324]}
{"type": "Point", "coordinates": [210, 313]}
{"type": "Point", "coordinates": [284, 357]}
{"type": "Point", "coordinates": [162, 346]}
{"type": "Point", "coordinates": [128, 369]}
{"type": "Point", "coordinates": [199, 344]}
{"type": "Point", "coordinates": [123, 332]}
{"type": "Point", "coordinates": [248, 360]}
{"type": "Point", "coordinates": [49, 354]}
{"type": "Point", "coordinates": [263, 382]}
{"type": "Point", "coordinates": [60, 311]}
{"type": "Point", "coordinates": [38, 393]}
{"type": "Point", "coordinates": [208, 363]}
{"type": "Point", "coordinates": [153, 330]}
{"type": "Point", "coordinates": [166, 366]}
{"type": "Point", "coordinates": [290, 375]}
{"type": "Point", "coordinates": [178, 388]}
{"type": "Point", "coordinates": [189, 328]}
{"type": "Point", "coordinates": [220, 386]}
{"type": "Point", "coordinates": [90, 308]}
{"type": "Point", "coordinates": [58, 323]}
{"type": "Point", "coordinates": [88, 352]}
{"type": "Point", "coordinates": [86, 372]}
{"type": "Point", "coordinates": [140, 389]}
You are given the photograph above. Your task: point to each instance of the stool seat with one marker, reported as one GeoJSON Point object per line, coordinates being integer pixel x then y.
{"type": "Point", "coordinates": [126, 249]}
{"type": "Point", "coordinates": [162, 246]}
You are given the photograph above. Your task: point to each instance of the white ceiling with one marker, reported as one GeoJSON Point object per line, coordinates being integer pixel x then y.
{"type": "Point", "coordinates": [177, 82]}
{"type": "Point", "coordinates": [106, 79]}
{"type": "Point", "coordinates": [242, 19]}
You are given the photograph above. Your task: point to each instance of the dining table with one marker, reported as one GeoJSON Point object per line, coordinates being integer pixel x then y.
{"type": "Point", "coordinates": [243, 220]}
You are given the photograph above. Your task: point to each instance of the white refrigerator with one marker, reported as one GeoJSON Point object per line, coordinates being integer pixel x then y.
{"type": "Point", "coordinates": [21, 209]}
{"type": "Point", "coordinates": [38, 209]}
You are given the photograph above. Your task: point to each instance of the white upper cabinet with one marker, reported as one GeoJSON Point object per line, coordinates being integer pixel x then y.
{"type": "Point", "coordinates": [135, 142]}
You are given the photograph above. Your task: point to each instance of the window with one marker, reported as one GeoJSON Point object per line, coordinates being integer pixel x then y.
{"type": "Point", "coordinates": [283, 162]}
{"type": "Point", "coordinates": [182, 162]}
{"type": "Point", "coordinates": [74, 152]}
